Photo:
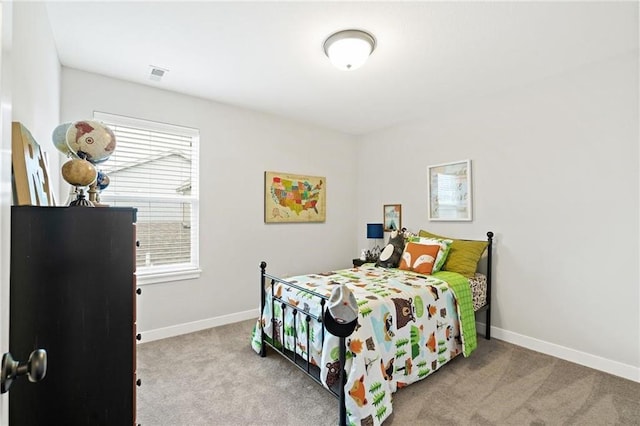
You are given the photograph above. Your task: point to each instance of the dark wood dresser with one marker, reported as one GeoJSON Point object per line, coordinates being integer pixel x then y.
{"type": "Point", "coordinates": [73, 293]}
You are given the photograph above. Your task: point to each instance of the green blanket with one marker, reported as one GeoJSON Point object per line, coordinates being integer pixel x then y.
{"type": "Point", "coordinates": [462, 290]}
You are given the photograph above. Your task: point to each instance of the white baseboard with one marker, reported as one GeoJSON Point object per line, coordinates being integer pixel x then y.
{"type": "Point", "coordinates": [191, 327]}
{"type": "Point", "coordinates": [588, 360]}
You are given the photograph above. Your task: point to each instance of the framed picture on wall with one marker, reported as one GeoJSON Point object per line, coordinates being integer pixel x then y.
{"type": "Point", "coordinates": [392, 217]}
{"type": "Point", "coordinates": [450, 191]}
{"type": "Point", "coordinates": [294, 198]}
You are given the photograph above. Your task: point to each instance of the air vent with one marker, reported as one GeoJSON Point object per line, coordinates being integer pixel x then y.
{"type": "Point", "coordinates": [157, 73]}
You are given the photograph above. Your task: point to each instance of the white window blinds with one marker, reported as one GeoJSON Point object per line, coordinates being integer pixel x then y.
{"type": "Point", "coordinates": [155, 169]}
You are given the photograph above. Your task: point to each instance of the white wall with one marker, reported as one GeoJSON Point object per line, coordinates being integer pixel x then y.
{"type": "Point", "coordinates": [6, 43]}
{"type": "Point", "coordinates": [555, 176]}
{"type": "Point", "coordinates": [236, 146]}
{"type": "Point", "coordinates": [36, 80]}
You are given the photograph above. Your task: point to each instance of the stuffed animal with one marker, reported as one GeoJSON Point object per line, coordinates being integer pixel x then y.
{"type": "Point", "coordinates": [391, 253]}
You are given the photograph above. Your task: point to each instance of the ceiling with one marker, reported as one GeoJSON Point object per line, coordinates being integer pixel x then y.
{"type": "Point", "coordinates": [268, 56]}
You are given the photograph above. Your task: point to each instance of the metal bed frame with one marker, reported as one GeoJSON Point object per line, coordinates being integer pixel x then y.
{"type": "Point", "coordinates": [304, 365]}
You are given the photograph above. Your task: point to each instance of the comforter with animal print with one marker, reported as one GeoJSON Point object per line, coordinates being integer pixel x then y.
{"type": "Point", "coordinates": [409, 325]}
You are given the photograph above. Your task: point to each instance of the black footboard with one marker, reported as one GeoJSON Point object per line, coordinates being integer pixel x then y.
{"type": "Point", "coordinates": [278, 325]}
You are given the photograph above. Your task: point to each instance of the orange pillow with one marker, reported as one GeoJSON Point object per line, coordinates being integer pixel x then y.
{"type": "Point", "coordinates": [419, 258]}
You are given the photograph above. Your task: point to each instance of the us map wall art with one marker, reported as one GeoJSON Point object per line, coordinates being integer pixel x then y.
{"type": "Point", "coordinates": [294, 198]}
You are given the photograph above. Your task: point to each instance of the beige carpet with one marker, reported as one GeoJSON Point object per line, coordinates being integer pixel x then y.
{"type": "Point", "coordinates": [213, 377]}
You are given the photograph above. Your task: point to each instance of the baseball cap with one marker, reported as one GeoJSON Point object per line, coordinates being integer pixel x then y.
{"type": "Point", "coordinates": [341, 315]}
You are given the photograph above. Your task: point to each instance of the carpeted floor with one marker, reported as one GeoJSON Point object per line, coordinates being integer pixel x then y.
{"type": "Point", "coordinates": [213, 377]}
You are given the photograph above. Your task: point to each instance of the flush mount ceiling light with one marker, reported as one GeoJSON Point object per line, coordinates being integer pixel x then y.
{"type": "Point", "coordinates": [349, 49]}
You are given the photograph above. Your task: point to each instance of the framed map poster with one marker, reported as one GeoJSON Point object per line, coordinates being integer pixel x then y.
{"type": "Point", "coordinates": [292, 198]}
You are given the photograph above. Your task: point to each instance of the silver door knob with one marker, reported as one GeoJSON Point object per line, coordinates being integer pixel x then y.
{"type": "Point", "coordinates": [35, 369]}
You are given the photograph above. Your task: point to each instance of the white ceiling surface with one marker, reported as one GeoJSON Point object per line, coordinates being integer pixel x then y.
{"type": "Point", "coordinates": [268, 56]}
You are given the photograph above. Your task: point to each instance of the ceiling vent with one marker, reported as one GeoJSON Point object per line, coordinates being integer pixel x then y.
{"type": "Point", "coordinates": [157, 73]}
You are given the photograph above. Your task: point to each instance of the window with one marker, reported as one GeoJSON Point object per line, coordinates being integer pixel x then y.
{"type": "Point", "coordinates": [155, 169]}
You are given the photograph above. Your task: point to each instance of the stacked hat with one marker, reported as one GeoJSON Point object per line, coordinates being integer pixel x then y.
{"type": "Point", "coordinates": [341, 315]}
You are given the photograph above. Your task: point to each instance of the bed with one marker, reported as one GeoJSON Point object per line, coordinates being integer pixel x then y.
{"type": "Point", "coordinates": [409, 324]}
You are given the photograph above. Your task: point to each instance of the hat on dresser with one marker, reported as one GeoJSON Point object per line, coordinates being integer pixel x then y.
{"type": "Point", "coordinates": [341, 315]}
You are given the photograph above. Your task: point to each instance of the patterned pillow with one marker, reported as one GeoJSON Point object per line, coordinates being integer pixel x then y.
{"type": "Point", "coordinates": [463, 254]}
{"type": "Point", "coordinates": [419, 258]}
{"type": "Point", "coordinates": [390, 254]}
{"type": "Point", "coordinates": [442, 254]}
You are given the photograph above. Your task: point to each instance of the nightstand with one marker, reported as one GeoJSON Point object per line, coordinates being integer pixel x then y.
{"type": "Point", "coordinates": [358, 262]}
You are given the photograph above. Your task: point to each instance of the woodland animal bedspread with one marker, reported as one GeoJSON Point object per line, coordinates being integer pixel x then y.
{"type": "Point", "coordinates": [409, 325]}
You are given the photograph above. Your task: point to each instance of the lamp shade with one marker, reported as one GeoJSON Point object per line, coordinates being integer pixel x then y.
{"type": "Point", "coordinates": [349, 49]}
{"type": "Point", "coordinates": [375, 230]}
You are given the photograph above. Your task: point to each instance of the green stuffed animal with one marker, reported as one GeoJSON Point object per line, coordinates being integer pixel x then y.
{"type": "Point", "coordinates": [392, 252]}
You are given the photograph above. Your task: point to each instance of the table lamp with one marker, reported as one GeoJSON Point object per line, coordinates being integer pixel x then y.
{"type": "Point", "coordinates": [375, 231]}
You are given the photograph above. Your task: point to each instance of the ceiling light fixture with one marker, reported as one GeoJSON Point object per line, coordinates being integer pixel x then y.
{"type": "Point", "coordinates": [349, 49]}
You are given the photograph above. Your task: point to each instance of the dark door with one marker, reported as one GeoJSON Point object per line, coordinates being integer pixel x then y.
{"type": "Point", "coordinates": [72, 293]}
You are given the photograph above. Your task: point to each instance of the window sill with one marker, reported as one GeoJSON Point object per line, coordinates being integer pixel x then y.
{"type": "Point", "coordinates": [156, 277]}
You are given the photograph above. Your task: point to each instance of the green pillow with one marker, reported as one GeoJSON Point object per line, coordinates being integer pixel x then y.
{"type": "Point", "coordinates": [463, 255]}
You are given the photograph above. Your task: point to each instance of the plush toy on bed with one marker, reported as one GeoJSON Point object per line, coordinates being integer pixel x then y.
{"type": "Point", "coordinates": [392, 252]}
